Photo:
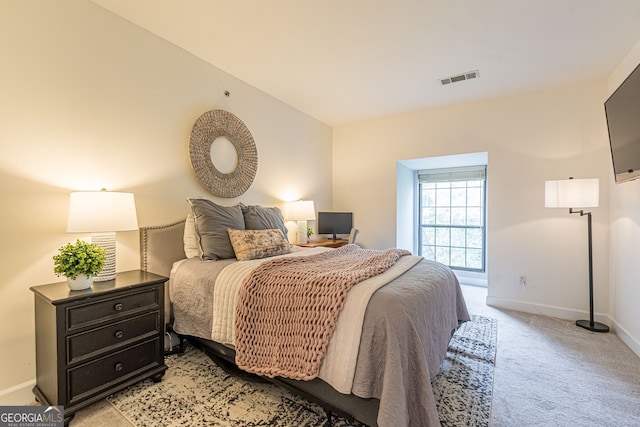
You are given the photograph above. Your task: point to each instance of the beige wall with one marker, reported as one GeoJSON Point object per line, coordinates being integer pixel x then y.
{"type": "Point", "coordinates": [529, 138]}
{"type": "Point", "coordinates": [625, 237]}
{"type": "Point", "coordinates": [89, 101]}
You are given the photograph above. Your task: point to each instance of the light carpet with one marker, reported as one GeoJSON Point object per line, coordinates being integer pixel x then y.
{"type": "Point", "coordinates": [196, 392]}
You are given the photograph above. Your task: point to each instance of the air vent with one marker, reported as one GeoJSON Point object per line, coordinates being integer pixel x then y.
{"type": "Point", "coordinates": [460, 77]}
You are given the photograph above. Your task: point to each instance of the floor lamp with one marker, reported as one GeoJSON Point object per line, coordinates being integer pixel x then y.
{"type": "Point", "coordinates": [578, 193]}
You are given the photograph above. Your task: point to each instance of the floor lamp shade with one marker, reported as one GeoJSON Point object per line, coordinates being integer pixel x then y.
{"type": "Point", "coordinates": [572, 193]}
{"type": "Point", "coordinates": [578, 193]}
{"type": "Point", "coordinates": [301, 212]}
{"type": "Point", "coordinates": [102, 213]}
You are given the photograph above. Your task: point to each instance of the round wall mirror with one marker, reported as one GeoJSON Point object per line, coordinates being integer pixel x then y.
{"type": "Point", "coordinates": [223, 153]}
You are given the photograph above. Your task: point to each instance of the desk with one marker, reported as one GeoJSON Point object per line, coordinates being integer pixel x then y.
{"type": "Point", "coordinates": [327, 243]}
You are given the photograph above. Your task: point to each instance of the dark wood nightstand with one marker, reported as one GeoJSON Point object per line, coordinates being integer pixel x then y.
{"type": "Point", "coordinates": [328, 243]}
{"type": "Point", "coordinates": [94, 342]}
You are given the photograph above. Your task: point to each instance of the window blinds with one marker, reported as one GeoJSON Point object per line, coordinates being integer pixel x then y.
{"type": "Point", "coordinates": [466, 173]}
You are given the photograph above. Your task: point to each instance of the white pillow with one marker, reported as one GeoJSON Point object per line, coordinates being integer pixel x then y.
{"type": "Point", "coordinates": [192, 247]}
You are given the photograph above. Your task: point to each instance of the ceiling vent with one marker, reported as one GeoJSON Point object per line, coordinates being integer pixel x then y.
{"type": "Point", "coordinates": [460, 77]}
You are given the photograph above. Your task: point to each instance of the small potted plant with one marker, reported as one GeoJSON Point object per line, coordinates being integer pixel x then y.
{"type": "Point", "coordinates": [79, 263]}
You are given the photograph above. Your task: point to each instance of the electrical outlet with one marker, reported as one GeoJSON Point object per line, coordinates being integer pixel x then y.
{"type": "Point", "coordinates": [523, 281]}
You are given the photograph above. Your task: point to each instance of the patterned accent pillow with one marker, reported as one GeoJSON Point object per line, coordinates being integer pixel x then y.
{"type": "Point", "coordinates": [255, 244]}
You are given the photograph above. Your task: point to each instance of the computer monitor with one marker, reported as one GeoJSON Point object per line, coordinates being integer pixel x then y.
{"type": "Point", "coordinates": [335, 223]}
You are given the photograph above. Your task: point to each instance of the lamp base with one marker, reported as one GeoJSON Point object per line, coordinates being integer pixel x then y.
{"type": "Point", "coordinates": [107, 241]}
{"type": "Point", "coordinates": [595, 326]}
{"type": "Point", "coordinates": [301, 232]}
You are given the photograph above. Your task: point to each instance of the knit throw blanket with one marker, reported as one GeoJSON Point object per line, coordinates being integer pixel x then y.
{"type": "Point", "coordinates": [288, 307]}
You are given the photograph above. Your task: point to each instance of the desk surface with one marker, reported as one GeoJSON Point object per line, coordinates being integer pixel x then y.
{"type": "Point", "coordinates": [327, 243]}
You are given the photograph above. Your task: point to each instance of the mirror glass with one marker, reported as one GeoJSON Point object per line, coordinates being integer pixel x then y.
{"type": "Point", "coordinates": [224, 155]}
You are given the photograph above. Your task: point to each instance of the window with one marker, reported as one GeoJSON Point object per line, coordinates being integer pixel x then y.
{"type": "Point", "coordinates": [452, 216]}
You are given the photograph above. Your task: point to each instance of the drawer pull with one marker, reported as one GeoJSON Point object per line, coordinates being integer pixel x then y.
{"type": "Point", "coordinates": [119, 334]}
{"type": "Point", "coordinates": [118, 307]}
{"type": "Point", "coordinates": [118, 367]}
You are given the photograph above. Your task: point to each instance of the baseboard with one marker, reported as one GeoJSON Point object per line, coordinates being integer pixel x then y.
{"type": "Point", "coordinates": [17, 395]}
{"type": "Point", "coordinates": [546, 310]}
{"type": "Point", "coordinates": [632, 342]}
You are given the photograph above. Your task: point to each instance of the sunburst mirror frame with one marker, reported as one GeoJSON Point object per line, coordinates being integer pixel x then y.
{"type": "Point", "coordinates": [207, 128]}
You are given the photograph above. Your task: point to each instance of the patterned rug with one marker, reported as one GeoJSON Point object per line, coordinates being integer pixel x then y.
{"type": "Point", "coordinates": [196, 392]}
{"type": "Point", "coordinates": [464, 385]}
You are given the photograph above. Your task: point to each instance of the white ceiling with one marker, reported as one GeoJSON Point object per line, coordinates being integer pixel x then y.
{"type": "Point", "coordinates": [347, 60]}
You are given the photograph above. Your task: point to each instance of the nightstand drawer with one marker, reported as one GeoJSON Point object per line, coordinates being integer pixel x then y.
{"type": "Point", "coordinates": [91, 378]}
{"type": "Point", "coordinates": [91, 343]}
{"type": "Point", "coordinates": [95, 312]}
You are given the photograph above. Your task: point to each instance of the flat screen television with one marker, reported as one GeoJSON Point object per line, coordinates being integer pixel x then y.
{"type": "Point", "coordinates": [335, 223]}
{"type": "Point", "coordinates": [623, 120]}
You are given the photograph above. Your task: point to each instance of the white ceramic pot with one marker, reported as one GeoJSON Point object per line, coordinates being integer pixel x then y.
{"type": "Point", "coordinates": [80, 282]}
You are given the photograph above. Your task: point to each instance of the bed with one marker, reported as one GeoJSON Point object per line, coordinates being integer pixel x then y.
{"type": "Point", "coordinates": [406, 322]}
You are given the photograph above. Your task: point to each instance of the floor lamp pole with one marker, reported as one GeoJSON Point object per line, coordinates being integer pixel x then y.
{"type": "Point", "coordinates": [590, 324]}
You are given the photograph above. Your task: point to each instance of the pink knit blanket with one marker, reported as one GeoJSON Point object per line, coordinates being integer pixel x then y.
{"type": "Point", "coordinates": [288, 307]}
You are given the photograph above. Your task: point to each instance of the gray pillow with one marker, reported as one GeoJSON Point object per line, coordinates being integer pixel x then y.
{"type": "Point", "coordinates": [261, 218]}
{"type": "Point", "coordinates": [211, 223]}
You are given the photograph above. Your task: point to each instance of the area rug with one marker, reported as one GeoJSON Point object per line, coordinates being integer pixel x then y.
{"type": "Point", "coordinates": [196, 392]}
{"type": "Point", "coordinates": [464, 386]}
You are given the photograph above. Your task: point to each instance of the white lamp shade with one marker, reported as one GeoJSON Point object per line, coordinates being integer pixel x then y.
{"type": "Point", "coordinates": [302, 210]}
{"type": "Point", "coordinates": [101, 211]}
{"type": "Point", "coordinates": [572, 193]}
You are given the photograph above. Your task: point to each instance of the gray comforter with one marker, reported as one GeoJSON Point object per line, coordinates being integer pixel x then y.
{"type": "Point", "coordinates": [407, 327]}
{"type": "Point", "coordinates": [406, 331]}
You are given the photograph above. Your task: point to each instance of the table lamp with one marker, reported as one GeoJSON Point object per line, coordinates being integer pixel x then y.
{"type": "Point", "coordinates": [102, 213]}
{"type": "Point", "coordinates": [301, 212]}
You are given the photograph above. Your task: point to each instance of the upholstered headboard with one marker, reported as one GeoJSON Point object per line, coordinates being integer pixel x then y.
{"type": "Point", "coordinates": [161, 246]}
